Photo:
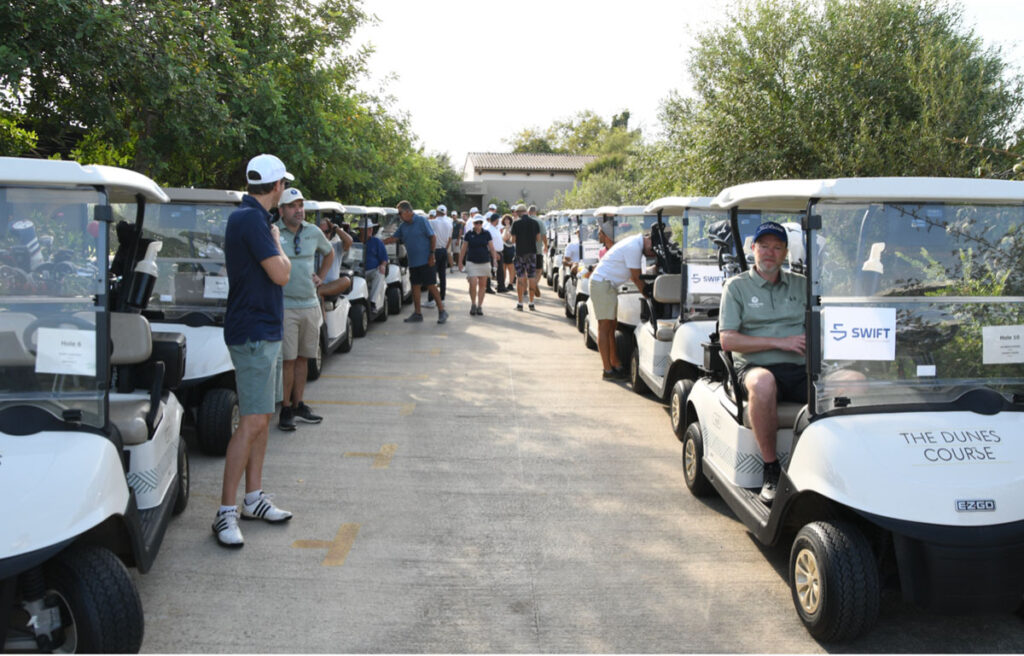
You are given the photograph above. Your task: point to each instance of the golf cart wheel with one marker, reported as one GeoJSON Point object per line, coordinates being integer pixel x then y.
{"type": "Point", "coordinates": [677, 406]}
{"type": "Point", "coordinates": [315, 366]}
{"type": "Point", "coordinates": [581, 316]}
{"type": "Point", "coordinates": [693, 462]}
{"type": "Point", "coordinates": [181, 497]}
{"type": "Point", "coordinates": [98, 602]}
{"type": "Point", "coordinates": [346, 344]}
{"type": "Point", "coordinates": [218, 419]}
{"type": "Point", "coordinates": [638, 384]}
{"type": "Point", "coordinates": [560, 288]}
{"type": "Point", "coordinates": [834, 580]}
{"type": "Point", "coordinates": [568, 309]}
{"type": "Point", "coordinates": [384, 311]}
{"type": "Point", "coordinates": [587, 339]}
{"type": "Point", "coordinates": [394, 300]}
{"type": "Point", "coordinates": [360, 319]}
{"type": "Point", "coordinates": [624, 346]}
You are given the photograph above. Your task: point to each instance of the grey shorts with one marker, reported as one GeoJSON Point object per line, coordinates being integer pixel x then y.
{"type": "Point", "coordinates": [257, 375]}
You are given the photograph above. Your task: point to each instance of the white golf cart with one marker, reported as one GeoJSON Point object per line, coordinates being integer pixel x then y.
{"type": "Point", "coordinates": [626, 221]}
{"type": "Point", "coordinates": [679, 315]}
{"type": "Point", "coordinates": [399, 285]}
{"type": "Point", "coordinates": [559, 236]}
{"type": "Point", "coordinates": [577, 276]}
{"type": "Point", "coordinates": [92, 465]}
{"type": "Point", "coordinates": [362, 307]}
{"type": "Point", "coordinates": [336, 328]}
{"type": "Point", "coordinates": [903, 467]}
{"type": "Point", "coordinates": [190, 297]}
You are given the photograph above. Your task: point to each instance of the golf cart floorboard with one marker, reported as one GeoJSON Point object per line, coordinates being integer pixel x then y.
{"type": "Point", "coordinates": [747, 504]}
{"type": "Point", "coordinates": [152, 523]}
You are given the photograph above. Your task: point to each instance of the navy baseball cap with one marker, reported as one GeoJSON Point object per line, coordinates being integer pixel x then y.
{"type": "Point", "coordinates": [771, 228]}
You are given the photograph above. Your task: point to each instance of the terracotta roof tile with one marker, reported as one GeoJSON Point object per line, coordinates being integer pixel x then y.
{"type": "Point", "coordinates": [529, 161]}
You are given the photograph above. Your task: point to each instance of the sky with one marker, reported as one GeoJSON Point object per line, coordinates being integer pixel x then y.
{"type": "Point", "coordinates": [471, 74]}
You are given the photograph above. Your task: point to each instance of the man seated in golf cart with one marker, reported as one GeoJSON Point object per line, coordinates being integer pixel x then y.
{"type": "Point", "coordinates": [376, 257]}
{"type": "Point", "coordinates": [761, 321]}
{"type": "Point", "coordinates": [573, 254]}
{"type": "Point", "coordinates": [334, 283]}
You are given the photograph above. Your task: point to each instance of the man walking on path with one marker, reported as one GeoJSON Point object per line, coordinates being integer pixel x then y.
{"type": "Point", "coordinates": [301, 242]}
{"type": "Point", "coordinates": [524, 235]}
{"type": "Point", "coordinates": [442, 227]}
{"type": "Point", "coordinates": [420, 244]}
{"type": "Point", "coordinates": [542, 249]}
{"type": "Point", "coordinates": [257, 270]}
{"type": "Point", "coordinates": [491, 226]}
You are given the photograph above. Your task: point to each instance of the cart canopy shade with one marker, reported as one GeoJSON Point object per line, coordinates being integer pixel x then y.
{"type": "Point", "coordinates": [328, 205]}
{"type": "Point", "coordinates": [794, 194]}
{"type": "Point", "coordinates": [190, 195]}
{"type": "Point", "coordinates": [357, 209]}
{"type": "Point", "coordinates": [606, 210]}
{"type": "Point", "coordinates": [676, 205]}
{"type": "Point", "coordinates": [122, 185]}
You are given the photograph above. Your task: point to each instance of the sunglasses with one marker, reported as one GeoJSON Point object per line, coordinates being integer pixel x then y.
{"type": "Point", "coordinates": [297, 244]}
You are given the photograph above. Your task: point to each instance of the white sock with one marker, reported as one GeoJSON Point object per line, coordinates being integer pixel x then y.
{"type": "Point", "coordinates": [252, 497]}
{"type": "Point", "coordinates": [224, 509]}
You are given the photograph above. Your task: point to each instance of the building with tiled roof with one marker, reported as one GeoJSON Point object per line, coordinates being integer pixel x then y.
{"type": "Point", "coordinates": [530, 177]}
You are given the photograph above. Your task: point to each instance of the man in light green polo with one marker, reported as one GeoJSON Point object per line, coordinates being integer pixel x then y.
{"type": "Point", "coordinates": [761, 320]}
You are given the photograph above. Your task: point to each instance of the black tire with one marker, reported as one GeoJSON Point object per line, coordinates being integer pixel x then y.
{"type": "Point", "coordinates": [99, 599]}
{"type": "Point", "coordinates": [394, 300]}
{"type": "Point", "coordinates": [217, 420]}
{"type": "Point", "coordinates": [184, 480]}
{"type": "Point", "coordinates": [569, 308]}
{"type": "Point", "coordinates": [624, 346]}
{"type": "Point", "coordinates": [693, 462]}
{"type": "Point", "coordinates": [581, 316]}
{"type": "Point", "coordinates": [384, 311]}
{"type": "Point", "coordinates": [360, 319]}
{"type": "Point", "coordinates": [677, 406]}
{"type": "Point", "coordinates": [315, 366]}
{"type": "Point", "coordinates": [833, 577]}
{"type": "Point", "coordinates": [635, 381]}
{"type": "Point", "coordinates": [346, 344]}
{"type": "Point", "coordinates": [587, 339]}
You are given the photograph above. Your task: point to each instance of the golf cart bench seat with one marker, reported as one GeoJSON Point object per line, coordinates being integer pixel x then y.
{"type": "Point", "coordinates": [12, 349]}
{"type": "Point", "coordinates": [787, 414]}
{"type": "Point", "coordinates": [667, 293]}
{"type": "Point", "coordinates": [128, 416]}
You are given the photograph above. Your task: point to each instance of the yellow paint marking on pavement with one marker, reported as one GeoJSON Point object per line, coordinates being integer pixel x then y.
{"type": "Point", "coordinates": [342, 377]}
{"type": "Point", "coordinates": [337, 550]}
{"type": "Point", "coordinates": [406, 408]}
{"type": "Point", "coordinates": [381, 459]}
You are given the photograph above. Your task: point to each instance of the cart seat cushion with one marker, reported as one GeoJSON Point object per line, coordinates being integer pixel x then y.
{"type": "Point", "coordinates": [129, 417]}
{"type": "Point", "coordinates": [787, 414]}
{"type": "Point", "coordinates": [131, 337]}
{"type": "Point", "coordinates": [668, 288]}
{"type": "Point", "coordinates": [666, 330]}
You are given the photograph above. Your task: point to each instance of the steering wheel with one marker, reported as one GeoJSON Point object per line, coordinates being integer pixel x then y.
{"type": "Point", "coordinates": [52, 321]}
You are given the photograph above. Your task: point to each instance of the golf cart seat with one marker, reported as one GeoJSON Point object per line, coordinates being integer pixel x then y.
{"type": "Point", "coordinates": [667, 292]}
{"type": "Point", "coordinates": [12, 349]}
{"type": "Point", "coordinates": [331, 302]}
{"type": "Point", "coordinates": [787, 414]}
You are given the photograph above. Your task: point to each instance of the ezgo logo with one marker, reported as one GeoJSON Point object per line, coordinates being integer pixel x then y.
{"type": "Point", "coordinates": [975, 505]}
{"type": "Point", "coordinates": [870, 334]}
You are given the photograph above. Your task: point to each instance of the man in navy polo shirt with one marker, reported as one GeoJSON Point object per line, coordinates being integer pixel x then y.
{"type": "Point", "coordinates": [257, 270]}
{"type": "Point", "coordinates": [420, 242]}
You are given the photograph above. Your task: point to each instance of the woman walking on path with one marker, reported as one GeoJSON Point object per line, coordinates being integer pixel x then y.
{"type": "Point", "coordinates": [478, 251]}
{"type": "Point", "coordinates": [508, 252]}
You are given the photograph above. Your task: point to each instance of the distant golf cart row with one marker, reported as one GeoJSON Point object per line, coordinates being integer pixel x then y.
{"type": "Point", "coordinates": [903, 469]}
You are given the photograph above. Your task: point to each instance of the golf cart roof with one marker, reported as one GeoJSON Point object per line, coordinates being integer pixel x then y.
{"type": "Point", "coordinates": [121, 185]}
{"type": "Point", "coordinates": [794, 194]}
{"type": "Point", "coordinates": [192, 195]}
{"type": "Point", "coordinates": [677, 205]}
{"type": "Point", "coordinates": [630, 210]}
{"type": "Point", "coordinates": [582, 212]}
{"type": "Point", "coordinates": [326, 206]}
{"type": "Point", "coordinates": [606, 210]}
{"type": "Point", "coordinates": [356, 209]}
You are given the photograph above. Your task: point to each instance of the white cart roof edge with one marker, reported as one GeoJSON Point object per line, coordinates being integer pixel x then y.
{"type": "Point", "coordinates": [794, 194]}
{"type": "Point", "coordinates": [122, 185]}
{"type": "Point", "coordinates": [676, 205]}
{"type": "Point", "coordinates": [320, 205]}
{"type": "Point", "coordinates": [195, 195]}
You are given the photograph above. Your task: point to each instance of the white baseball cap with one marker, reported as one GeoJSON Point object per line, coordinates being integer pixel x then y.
{"type": "Point", "coordinates": [433, 212]}
{"type": "Point", "coordinates": [479, 218]}
{"type": "Point", "coordinates": [492, 206]}
{"type": "Point", "coordinates": [264, 169]}
{"type": "Point", "coordinates": [290, 195]}
{"type": "Point", "coordinates": [474, 210]}
{"type": "Point", "coordinates": [441, 209]}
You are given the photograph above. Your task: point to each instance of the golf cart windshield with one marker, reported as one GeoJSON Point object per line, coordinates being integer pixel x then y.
{"type": "Point", "coordinates": [191, 262]}
{"type": "Point", "coordinates": [627, 225]}
{"type": "Point", "coordinates": [589, 244]}
{"type": "Point", "coordinates": [694, 239]}
{"type": "Point", "coordinates": [919, 303]}
{"type": "Point", "coordinates": [53, 263]}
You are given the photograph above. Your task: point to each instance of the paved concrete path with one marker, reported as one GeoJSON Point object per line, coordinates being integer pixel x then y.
{"type": "Point", "coordinates": [476, 487]}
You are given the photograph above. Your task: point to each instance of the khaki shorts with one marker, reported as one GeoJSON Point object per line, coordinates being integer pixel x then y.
{"type": "Point", "coordinates": [605, 298]}
{"type": "Point", "coordinates": [301, 332]}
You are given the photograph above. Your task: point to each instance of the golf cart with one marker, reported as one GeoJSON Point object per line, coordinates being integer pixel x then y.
{"type": "Point", "coordinates": [362, 308]}
{"type": "Point", "coordinates": [626, 222]}
{"type": "Point", "coordinates": [679, 315]}
{"type": "Point", "coordinates": [577, 277]}
{"type": "Point", "coordinates": [336, 328]}
{"type": "Point", "coordinates": [900, 470]}
{"type": "Point", "coordinates": [92, 464]}
{"type": "Point", "coordinates": [559, 235]}
{"type": "Point", "coordinates": [398, 282]}
{"type": "Point", "coordinates": [190, 297]}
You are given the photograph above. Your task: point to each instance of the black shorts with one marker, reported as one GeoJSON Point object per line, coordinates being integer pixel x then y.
{"type": "Point", "coordinates": [790, 380]}
{"type": "Point", "coordinates": [423, 276]}
{"type": "Point", "coordinates": [508, 254]}
{"type": "Point", "coordinates": [540, 262]}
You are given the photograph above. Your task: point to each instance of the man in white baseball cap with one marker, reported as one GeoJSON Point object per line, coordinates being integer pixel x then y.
{"type": "Point", "coordinates": [258, 269]}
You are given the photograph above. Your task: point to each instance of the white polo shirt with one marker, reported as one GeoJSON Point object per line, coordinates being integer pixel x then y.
{"type": "Point", "coordinates": [572, 251]}
{"type": "Point", "coordinates": [620, 258]}
{"type": "Point", "coordinates": [442, 226]}
{"type": "Point", "coordinates": [495, 236]}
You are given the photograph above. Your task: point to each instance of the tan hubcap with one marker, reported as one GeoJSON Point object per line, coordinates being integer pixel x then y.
{"type": "Point", "coordinates": [691, 460]}
{"type": "Point", "coordinates": [807, 579]}
{"type": "Point", "coordinates": [235, 418]}
{"type": "Point", "coordinates": [675, 411]}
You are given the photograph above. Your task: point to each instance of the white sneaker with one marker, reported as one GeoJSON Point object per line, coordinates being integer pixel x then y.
{"type": "Point", "coordinates": [264, 509]}
{"type": "Point", "coordinates": [225, 527]}
{"type": "Point", "coordinates": [429, 304]}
